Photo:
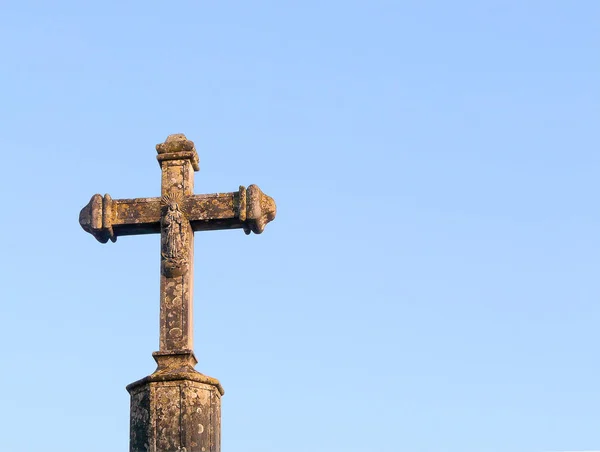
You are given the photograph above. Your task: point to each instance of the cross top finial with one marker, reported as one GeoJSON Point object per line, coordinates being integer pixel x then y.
{"type": "Point", "coordinates": [175, 142]}
{"type": "Point", "coordinates": [178, 147]}
{"type": "Point", "coordinates": [176, 137]}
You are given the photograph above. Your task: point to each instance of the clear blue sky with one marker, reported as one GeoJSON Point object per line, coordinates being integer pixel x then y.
{"type": "Point", "coordinates": [431, 280]}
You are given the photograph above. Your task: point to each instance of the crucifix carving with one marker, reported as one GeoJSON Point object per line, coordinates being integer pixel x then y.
{"type": "Point", "coordinates": [176, 215]}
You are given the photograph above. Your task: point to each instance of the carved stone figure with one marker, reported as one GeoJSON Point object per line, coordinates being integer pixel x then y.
{"type": "Point", "coordinates": [174, 225]}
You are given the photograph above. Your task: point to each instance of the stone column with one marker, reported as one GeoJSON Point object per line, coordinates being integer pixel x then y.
{"type": "Point", "coordinates": [176, 408]}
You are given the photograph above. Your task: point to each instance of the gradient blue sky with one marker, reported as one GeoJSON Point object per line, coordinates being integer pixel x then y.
{"type": "Point", "coordinates": [431, 280]}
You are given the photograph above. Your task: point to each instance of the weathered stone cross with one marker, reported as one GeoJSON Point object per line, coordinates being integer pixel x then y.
{"type": "Point", "coordinates": [155, 423]}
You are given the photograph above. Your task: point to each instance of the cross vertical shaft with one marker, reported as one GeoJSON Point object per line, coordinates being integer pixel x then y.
{"type": "Point", "coordinates": [178, 160]}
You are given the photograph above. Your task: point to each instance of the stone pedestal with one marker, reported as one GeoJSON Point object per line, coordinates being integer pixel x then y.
{"type": "Point", "coordinates": [176, 408]}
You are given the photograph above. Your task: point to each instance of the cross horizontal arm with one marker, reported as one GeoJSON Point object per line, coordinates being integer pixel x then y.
{"type": "Point", "coordinates": [106, 218]}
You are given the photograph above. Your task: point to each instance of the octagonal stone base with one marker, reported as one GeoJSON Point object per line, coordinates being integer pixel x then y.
{"type": "Point", "coordinates": [176, 408]}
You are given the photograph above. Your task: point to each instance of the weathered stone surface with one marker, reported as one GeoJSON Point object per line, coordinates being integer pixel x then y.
{"type": "Point", "coordinates": [249, 209]}
{"type": "Point", "coordinates": [175, 415]}
{"type": "Point", "coordinates": [176, 408]}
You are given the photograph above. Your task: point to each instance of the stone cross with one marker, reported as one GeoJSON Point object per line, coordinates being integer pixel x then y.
{"type": "Point", "coordinates": [176, 408]}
